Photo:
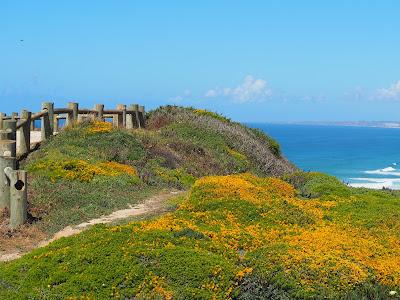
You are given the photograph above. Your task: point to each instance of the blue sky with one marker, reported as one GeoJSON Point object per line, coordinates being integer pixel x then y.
{"type": "Point", "coordinates": [257, 61]}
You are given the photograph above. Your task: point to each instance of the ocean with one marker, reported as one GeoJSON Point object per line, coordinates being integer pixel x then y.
{"type": "Point", "coordinates": [360, 156]}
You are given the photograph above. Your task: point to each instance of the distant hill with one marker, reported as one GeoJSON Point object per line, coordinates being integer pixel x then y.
{"type": "Point", "coordinates": [380, 124]}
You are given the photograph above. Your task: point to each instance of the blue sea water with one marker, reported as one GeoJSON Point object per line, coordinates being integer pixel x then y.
{"type": "Point", "coordinates": [361, 156]}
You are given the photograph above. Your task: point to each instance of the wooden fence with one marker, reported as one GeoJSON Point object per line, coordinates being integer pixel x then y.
{"type": "Point", "coordinates": [15, 142]}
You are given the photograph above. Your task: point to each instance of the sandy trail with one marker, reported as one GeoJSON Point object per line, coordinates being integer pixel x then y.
{"type": "Point", "coordinates": [153, 204]}
{"type": "Point", "coordinates": [36, 137]}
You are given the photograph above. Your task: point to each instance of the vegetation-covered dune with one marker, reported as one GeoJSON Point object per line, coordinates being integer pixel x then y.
{"type": "Point", "coordinates": [234, 236]}
{"type": "Point", "coordinates": [93, 169]}
{"type": "Point", "coordinates": [250, 227]}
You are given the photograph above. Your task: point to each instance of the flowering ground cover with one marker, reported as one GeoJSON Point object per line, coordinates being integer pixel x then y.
{"type": "Point", "coordinates": [236, 236]}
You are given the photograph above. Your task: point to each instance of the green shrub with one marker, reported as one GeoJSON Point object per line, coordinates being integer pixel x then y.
{"type": "Point", "coordinates": [256, 288]}
{"type": "Point", "coordinates": [262, 152]}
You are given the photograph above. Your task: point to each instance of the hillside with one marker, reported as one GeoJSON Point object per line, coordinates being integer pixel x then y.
{"type": "Point", "coordinates": [250, 227]}
{"type": "Point", "coordinates": [93, 169]}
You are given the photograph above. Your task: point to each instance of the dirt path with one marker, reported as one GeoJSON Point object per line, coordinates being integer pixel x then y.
{"type": "Point", "coordinates": [154, 204]}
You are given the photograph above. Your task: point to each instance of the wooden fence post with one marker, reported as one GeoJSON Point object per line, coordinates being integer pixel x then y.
{"type": "Point", "coordinates": [49, 106]}
{"type": "Point", "coordinates": [130, 122]}
{"type": "Point", "coordinates": [99, 108]}
{"type": "Point", "coordinates": [46, 131]}
{"type": "Point", "coordinates": [2, 116]}
{"type": "Point", "coordinates": [136, 118]}
{"type": "Point", "coordinates": [55, 125]}
{"type": "Point", "coordinates": [10, 126]}
{"type": "Point", "coordinates": [121, 118]}
{"type": "Point", "coordinates": [7, 147]}
{"type": "Point", "coordinates": [24, 137]}
{"type": "Point", "coordinates": [72, 116]}
{"type": "Point", "coordinates": [5, 162]}
{"type": "Point", "coordinates": [142, 117]}
{"type": "Point", "coordinates": [7, 159]}
{"type": "Point", "coordinates": [18, 196]}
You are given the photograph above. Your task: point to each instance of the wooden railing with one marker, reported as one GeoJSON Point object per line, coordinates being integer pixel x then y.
{"type": "Point", "coordinates": [15, 142]}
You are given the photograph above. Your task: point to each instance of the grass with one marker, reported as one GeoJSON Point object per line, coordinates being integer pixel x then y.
{"type": "Point", "coordinates": [235, 236]}
{"type": "Point", "coordinates": [67, 202]}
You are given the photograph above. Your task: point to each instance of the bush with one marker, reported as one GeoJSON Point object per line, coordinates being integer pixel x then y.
{"type": "Point", "coordinates": [263, 153]}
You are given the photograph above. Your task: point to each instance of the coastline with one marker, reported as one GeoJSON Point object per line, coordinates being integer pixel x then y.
{"type": "Point", "coordinates": [365, 124]}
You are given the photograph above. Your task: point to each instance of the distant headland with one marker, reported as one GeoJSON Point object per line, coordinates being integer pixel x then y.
{"type": "Point", "coordinates": [378, 124]}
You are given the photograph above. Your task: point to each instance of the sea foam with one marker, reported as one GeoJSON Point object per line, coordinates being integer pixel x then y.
{"type": "Point", "coordinates": [384, 171]}
{"type": "Point", "coordinates": [378, 182]}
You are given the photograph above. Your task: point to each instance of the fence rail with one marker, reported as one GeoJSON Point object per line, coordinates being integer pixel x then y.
{"type": "Point", "coordinates": [17, 130]}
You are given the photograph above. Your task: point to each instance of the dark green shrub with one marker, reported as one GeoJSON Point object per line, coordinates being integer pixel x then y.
{"type": "Point", "coordinates": [256, 288]}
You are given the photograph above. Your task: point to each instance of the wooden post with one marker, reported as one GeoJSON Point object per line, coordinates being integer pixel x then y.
{"type": "Point", "coordinates": [5, 162]}
{"type": "Point", "coordinates": [24, 137]}
{"type": "Point", "coordinates": [99, 108]}
{"type": "Point", "coordinates": [121, 117]}
{"type": "Point", "coordinates": [18, 196]}
{"type": "Point", "coordinates": [49, 106]}
{"type": "Point", "coordinates": [10, 126]}
{"type": "Point", "coordinates": [46, 130]}
{"type": "Point", "coordinates": [7, 158]}
{"type": "Point", "coordinates": [142, 117]}
{"type": "Point", "coordinates": [7, 147]}
{"type": "Point", "coordinates": [115, 120]}
{"type": "Point", "coordinates": [136, 118]}
{"type": "Point", "coordinates": [72, 116]}
{"type": "Point", "coordinates": [55, 127]}
{"type": "Point", "coordinates": [2, 116]}
{"type": "Point", "coordinates": [130, 118]}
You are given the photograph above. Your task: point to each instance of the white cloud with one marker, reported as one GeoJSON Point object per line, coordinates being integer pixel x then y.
{"type": "Point", "coordinates": [390, 93]}
{"type": "Point", "coordinates": [251, 89]}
